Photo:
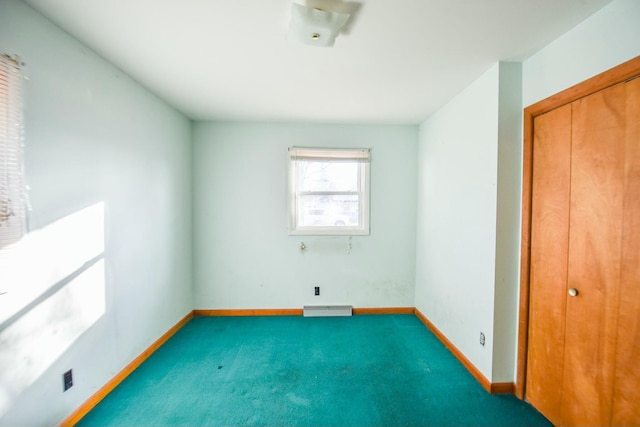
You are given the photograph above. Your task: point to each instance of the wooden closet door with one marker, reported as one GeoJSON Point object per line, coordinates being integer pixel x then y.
{"type": "Point", "coordinates": [549, 243]}
{"type": "Point", "coordinates": [626, 394]}
{"type": "Point", "coordinates": [583, 361]}
{"type": "Point", "coordinates": [580, 276]}
{"type": "Point", "coordinates": [595, 239]}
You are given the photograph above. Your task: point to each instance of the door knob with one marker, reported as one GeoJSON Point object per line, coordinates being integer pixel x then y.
{"type": "Point", "coordinates": [573, 292]}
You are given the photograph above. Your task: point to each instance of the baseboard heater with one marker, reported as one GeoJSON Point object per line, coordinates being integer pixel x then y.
{"type": "Point", "coordinates": [326, 310]}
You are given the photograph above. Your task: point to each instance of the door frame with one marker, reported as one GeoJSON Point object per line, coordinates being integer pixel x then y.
{"type": "Point", "coordinates": [621, 73]}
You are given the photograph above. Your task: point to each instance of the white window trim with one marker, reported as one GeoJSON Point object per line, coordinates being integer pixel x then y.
{"type": "Point", "coordinates": [361, 155]}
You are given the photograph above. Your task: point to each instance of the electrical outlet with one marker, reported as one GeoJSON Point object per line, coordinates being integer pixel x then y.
{"type": "Point", "coordinates": [67, 379]}
{"type": "Point", "coordinates": [482, 339]}
{"type": "Point", "coordinates": [317, 290]}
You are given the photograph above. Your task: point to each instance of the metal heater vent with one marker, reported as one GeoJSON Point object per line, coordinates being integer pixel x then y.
{"type": "Point", "coordinates": [327, 310]}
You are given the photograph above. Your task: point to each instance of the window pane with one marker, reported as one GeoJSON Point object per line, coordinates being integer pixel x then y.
{"type": "Point", "coordinates": [327, 176]}
{"type": "Point", "coordinates": [328, 211]}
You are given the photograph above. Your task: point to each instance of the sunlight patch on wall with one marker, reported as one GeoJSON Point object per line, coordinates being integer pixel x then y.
{"type": "Point", "coordinates": [54, 281]}
{"type": "Point", "coordinates": [45, 257]}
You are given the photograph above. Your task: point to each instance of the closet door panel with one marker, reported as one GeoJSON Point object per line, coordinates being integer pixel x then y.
{"type": "Point", "coordinates": [549, 242]}
{"type": "Point", "coordinates": [626, 395]}
{"type": "Point", "coordinates": [595, 238]}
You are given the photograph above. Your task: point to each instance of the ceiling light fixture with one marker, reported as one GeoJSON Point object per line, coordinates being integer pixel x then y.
{"type": "Point", "coordinates": [315, 27]}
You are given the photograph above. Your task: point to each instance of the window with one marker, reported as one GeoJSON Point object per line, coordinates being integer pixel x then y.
{"type": "Point", "coordinates": [328, 191]}
{"type": "Point", "coordinates": [11, 206]}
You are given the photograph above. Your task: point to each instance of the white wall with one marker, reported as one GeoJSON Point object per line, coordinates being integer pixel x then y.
{"type": "Point", "coordinates": [604, 40]}
{"type": "Point", "coordinates": [456, 229]}
{"type": "Point", "coordinates": [508, 219]}
{"type": "Point", "coordinates": [106, 266]}
{"type": "Point", "coordinates": [244, 257]}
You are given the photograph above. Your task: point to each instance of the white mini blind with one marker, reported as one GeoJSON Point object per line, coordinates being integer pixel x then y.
{"type": "Point", "coordinates": [11, 182]}
{"type": "Point", "coordinates": [329, 154]}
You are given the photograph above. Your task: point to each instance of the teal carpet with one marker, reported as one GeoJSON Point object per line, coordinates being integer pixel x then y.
{"type": "Point", "coordinates": [386, 370]}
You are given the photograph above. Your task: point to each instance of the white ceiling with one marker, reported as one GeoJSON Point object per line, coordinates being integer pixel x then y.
{"type": "Point", "coordinates": [396, 62]}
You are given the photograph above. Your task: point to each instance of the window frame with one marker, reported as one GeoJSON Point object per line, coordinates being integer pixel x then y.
{"type": "Point", "coordinates": [362, 157]}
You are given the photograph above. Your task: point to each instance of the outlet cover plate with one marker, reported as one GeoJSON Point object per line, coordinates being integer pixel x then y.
{"type": "Point", "coordinates": [67, 379]}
